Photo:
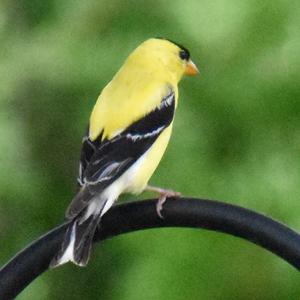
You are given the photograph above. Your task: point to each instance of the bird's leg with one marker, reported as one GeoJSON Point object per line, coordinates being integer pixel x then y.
{"type": "Point", "coordinates": [163, 195]}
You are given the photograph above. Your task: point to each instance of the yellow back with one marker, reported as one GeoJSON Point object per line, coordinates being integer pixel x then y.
{"type": "Point", "coordinates": [139, 86]}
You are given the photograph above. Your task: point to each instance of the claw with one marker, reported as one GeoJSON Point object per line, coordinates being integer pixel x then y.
{"type": "Point", "coordinates": [159, 205]}
{"type": "Point", "coordinates": [163, 198]}
{"type": "Point", "coordinates": [164, 194]}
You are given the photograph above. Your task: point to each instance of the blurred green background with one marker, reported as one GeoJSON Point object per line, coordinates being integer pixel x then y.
{"type": "Point", "coordinates": [236, 139]}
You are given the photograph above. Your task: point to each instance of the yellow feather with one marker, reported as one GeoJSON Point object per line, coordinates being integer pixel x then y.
{"type": "Point", "coordinates": [150, 162]}
{"type": "Point", "coordinates": [117, 108]}
{"type": "Point", "coordinates": [146, 77]}
{"type": "Point", "coordinates": [149, 74]}
{"type": "Point", "coordinates": [139, 86]}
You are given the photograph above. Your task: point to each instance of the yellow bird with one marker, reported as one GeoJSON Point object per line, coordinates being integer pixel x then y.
{"type": "Point", "coordinates": [128, 133]}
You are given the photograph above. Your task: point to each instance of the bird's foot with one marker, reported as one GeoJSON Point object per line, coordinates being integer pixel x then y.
{"type": "Point", "coordinates": [163, 195]}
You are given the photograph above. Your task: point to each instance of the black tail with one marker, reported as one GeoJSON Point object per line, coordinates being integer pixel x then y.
{"type": "Point", "coordinates": [78, 239]}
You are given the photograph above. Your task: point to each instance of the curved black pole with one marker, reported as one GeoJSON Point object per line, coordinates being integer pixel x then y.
{"type": "Point", "coordinates": [197, 213]}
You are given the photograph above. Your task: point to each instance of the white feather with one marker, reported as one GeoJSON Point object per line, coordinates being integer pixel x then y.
{"type": "Point", "coordinates": [69, 252]}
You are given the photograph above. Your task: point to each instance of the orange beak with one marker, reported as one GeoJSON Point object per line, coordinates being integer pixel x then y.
{"type": "Point", "coordinates": [191, 68]}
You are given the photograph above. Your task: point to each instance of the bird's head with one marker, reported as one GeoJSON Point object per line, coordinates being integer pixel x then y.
{"type": "Point", "coordinates": [165, 56]}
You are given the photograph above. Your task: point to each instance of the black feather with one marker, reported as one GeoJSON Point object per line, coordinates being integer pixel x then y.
{"type": "Point", "coordinates": [101, 163]}
{"type": "Point", "coordinates": [186, 51]}
{"type": "Point", "coordinates": [122, 149]}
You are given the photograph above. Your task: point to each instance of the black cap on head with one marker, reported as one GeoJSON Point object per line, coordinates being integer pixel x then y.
{"type": "Point", "coordinates": [184, 53]}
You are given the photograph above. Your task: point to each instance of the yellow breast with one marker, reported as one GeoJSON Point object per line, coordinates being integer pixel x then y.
{"type": "Point", "coordinates": [136, 178]}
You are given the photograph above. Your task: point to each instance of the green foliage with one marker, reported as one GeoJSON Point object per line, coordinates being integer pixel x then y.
{"type": "Point", "coordinates": [236, 138]}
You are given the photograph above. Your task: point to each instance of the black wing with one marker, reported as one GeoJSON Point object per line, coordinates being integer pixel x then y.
{"type": "Point", "coordinates": [102, 162]}
{"type": "Point", "coordinates": [88, 149]}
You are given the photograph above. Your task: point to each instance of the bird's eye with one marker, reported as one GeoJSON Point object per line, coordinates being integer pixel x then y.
{"type": "Point", "coordinates": [184, 55]}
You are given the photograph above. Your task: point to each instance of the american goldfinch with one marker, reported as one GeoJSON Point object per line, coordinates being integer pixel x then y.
{"type": "Point", "coordinates": [129, 129]}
